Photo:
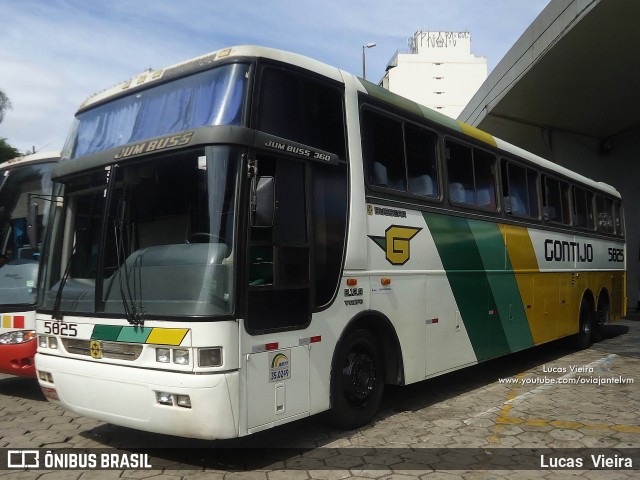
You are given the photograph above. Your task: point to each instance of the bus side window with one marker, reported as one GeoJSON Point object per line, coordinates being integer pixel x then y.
{"type": "Point", "coordinates": [604, 212]}
{"type": "Point", "coordinates": [583, 208]}
{"type": "Point", "coordinates": [383, 150]}
{"type": "Point", "coordinates": [617, 218]}
{"type": "Point", "coordinates": [484, 167]}
{"type": "Point", "coordinates": [555, 201]}
{"type": "Point", "coordinates": [303, 109]}
{"type": "Point", "coordinates": [460, 173]}
{"type": "Point", "coordinates": [422, 165]}
{"type": "Point", "coordinates": [520, 190]}
{"type": "Point", "coordinates": [471, 174]}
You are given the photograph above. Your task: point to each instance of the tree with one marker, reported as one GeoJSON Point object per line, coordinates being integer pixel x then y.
{"type": "Point", "coordinates": [5, 104]}
{"type": "Point", "coordinates": [7, 152]}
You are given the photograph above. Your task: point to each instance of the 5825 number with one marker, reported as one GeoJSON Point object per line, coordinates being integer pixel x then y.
{"type": "Point", "coordinates": [59, 328]}
{"type": "Point", "coordinates": [616, 255]}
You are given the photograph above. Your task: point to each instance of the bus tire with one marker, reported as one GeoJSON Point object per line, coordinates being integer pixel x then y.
{"type": "Point", "coordinates": [582, 339]}
{"type": "Point", "coordinates": [602, 318]}
{"type": "Point", "coordinates": [357, 380]}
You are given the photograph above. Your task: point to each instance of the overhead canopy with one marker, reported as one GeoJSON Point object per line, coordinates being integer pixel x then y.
{"type": "Point", "coordinates": [575, 69]}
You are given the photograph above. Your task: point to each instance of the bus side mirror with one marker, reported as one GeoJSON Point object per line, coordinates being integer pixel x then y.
{"type": "Point", "coordinates": [262, 201]}
{"type": "Point", "coordinates": [32, 225]}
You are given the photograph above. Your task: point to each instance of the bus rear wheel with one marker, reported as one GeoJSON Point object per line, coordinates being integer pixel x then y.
{"type": "Point", "coordinates": [583, 338]}
{"type": "Point", "coordinates": [357, 380]}
{"type": "Point", "coordinates": [601, 319]}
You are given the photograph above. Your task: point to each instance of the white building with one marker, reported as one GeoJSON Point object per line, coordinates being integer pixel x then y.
{"type": "Point", "coordinates": [439, 71]}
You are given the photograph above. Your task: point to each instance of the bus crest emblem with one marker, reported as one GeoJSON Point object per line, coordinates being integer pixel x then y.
{"type": "Point", "coordinates": [95, 349]}
{"type": "Point", "coordinates": [395, 243]}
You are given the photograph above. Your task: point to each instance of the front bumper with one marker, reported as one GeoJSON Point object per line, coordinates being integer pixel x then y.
{"type": "Point", "coordinates": [127, 396]}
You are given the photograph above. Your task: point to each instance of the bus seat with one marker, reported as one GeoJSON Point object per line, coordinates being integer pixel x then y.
{"type": "Point", "coordinates": [484, 199]}
{"type": "Point", "coordinates": [513, 205]}
{"type": "Point", "coordinates": [457, 193]}
{"type": "Point", "coordinates": [379, 174]}
{"type": "Point", "coordinates": [397, 183]}
{"type": "Point", "coordinates": [549, 213]}
{"type": "Point", "coordinates": [421, 185]}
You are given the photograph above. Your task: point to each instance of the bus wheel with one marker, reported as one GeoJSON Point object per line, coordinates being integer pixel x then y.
{"type": "Point", "coordinates": [357, 380]}
{"type": "Point", "coordinates": [582, 339]}
{"type": "Point", "coordinates": [602, 318]}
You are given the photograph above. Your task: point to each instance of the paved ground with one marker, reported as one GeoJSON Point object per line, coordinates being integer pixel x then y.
{"type": "Point", "coordinates": [497, 420]}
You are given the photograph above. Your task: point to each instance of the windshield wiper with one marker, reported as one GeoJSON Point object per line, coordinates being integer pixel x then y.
{"type": "Point", "coordinates": [134, 313]}
{"type": "Point", "coordinates": [57, 314]}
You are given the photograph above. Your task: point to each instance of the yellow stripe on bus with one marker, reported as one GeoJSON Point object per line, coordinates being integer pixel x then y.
{"type": "Point", "coordinates": [526, 271]}
{"type": "Point", "coordinates": [477, 134]}
{"type": "Point", "coordinates": [167, 336]}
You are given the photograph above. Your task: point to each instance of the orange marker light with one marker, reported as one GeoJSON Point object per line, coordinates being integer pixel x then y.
{"type": "Point", "coordinates": [352, 282]}
{"type": "Point", "coordinates": [385, 281]}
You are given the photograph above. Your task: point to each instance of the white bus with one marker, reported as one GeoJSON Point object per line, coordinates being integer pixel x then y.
{"type": "Point", "coordinates": [23, 181]}
{"type": "Point", "coordinates": [252, 237]}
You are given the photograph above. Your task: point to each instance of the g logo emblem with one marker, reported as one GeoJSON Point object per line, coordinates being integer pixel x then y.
{"type": "Point", "coordinates": [95, 349]}
{"type": "Point", "coordinates": [395, 243]}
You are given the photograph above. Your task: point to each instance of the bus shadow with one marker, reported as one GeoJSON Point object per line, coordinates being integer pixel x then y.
{"type": "Point", "coordinates": [445, 387]}
{"type": "Point", "coordinates": [613, 331]}
{"type": "Point", "coordinates": [25, 388]}
{"type": "Point", "coordinates": [287, 445]}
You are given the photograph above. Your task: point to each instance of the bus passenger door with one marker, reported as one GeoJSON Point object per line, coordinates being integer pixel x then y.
{"type": "Point", "coordinates": [279, 298]}
{"type": "Point", "coordinates": [279, 254]}
{"type": "Point", "coordinates": [277, 387]}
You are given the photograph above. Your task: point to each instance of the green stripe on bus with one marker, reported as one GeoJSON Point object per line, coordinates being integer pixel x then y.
{"type": "Point", "coordinates": [106, 332]}
{"type": "Point", "coordinates": [134, 334]}
{"type": "Point", "coordinates": [402, 102]}
{"type": "Point", "coordinates": [464, 266]}
{"type": "Point", "coordinates": [502, 281]}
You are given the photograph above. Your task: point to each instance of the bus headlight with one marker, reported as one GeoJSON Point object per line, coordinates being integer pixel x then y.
{"type": "Point", "coordinates": [45, 376]}
{"type": "Point", "coordinates": [47, 342]}
{"type": "Point", "coordinates": [181, 357]}
{"type": "Point", "coordinates": [163, 355]}
{"type": "Point", "coordinates": [164, 398]}
{"type": "Point", "coordinates": [17, 336]}
{"type": "Point", "coordinates": [173, 399]}
{"type": "Point", "coordinates": [210, 357]}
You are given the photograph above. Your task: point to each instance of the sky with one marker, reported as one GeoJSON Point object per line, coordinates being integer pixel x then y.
{"type": "Point", "coordinates": [56, 53]}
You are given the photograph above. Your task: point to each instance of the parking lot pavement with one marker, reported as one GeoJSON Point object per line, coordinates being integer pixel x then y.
{"type": "Point", "coordinates": [534, 414]}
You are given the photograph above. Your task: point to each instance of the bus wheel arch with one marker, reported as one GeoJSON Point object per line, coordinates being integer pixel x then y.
{"type": "Point", "coordinates": [365, 358]}
{"type": "Point", "coordinates": [602, 315]}
{"type": "Point", "coordinates": [586, 318]}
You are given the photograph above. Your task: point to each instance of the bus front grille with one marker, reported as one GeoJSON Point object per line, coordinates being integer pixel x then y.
{"type": "Point", "coordinates": [114, 350]}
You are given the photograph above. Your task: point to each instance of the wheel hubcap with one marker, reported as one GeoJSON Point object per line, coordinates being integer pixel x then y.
{"type": "Point", "coordinates": [358, 376]}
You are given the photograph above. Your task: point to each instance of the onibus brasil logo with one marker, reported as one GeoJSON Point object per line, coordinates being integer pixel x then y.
{"type": "Point", "coordinates": [396, 243]}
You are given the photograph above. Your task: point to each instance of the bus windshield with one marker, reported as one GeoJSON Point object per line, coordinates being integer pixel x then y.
{"type": "Point", "coordinates": [18, 261]}
{"type": "Point", "coordinates": [147, 239]}
{"type": "Point", "coordinates": [212, 97]}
